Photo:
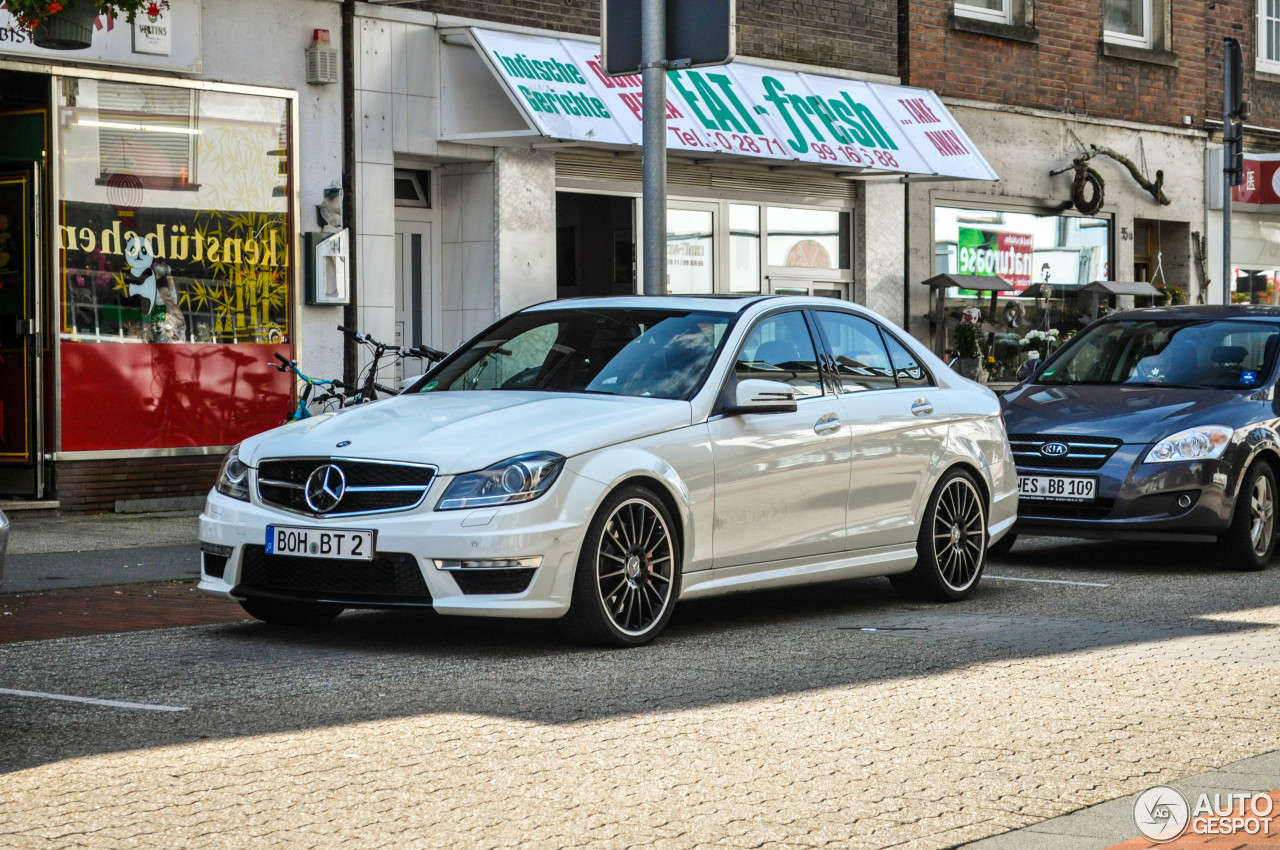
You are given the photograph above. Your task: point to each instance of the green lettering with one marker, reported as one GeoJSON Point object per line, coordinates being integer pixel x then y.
{"type": "Point", "coordinates": [691, 99]}
{"type": "Point", "coordinates": [851, 121]}
{"type": "Point", "coordinates": [824, 114]}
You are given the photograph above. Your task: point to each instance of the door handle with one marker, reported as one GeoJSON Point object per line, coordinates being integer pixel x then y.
{"type": "Point", "coordinates": [922, 407]}
{"type": "Point", "coordinates": [828, 424]}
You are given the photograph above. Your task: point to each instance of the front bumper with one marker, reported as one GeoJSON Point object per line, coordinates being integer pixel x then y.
{"type": "Point", "coordinates": [547, 532]}
{"type": "Point", "coordinates": [1136, 500]}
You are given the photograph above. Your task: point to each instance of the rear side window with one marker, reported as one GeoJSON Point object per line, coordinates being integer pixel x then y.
{"type": "Point", "coordinates": [906, 367]}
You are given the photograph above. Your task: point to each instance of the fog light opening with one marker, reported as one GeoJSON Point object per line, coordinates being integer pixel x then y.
{"type": "Point", "coordinates": [1184, 501]}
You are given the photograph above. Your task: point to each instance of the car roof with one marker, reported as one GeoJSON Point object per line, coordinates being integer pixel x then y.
{"type": "Point", "coordinates": [1201, 311]}
{"type": "Point", "coordinates": [707, 303]}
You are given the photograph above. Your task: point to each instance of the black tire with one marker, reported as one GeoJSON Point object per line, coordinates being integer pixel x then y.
{"type": "Point", "coordinates": [1003, 545]}
{"type": "Point", "coordinates": [284, 612]}
{"type": "Point", "coordinates": [952, 546]}
{"type": "Point", "coordinates": [1251, 540]}
{"type": "Point", "coordinates": [628, 575]}
{"type": "Point", "coordinates": [1087, 191]}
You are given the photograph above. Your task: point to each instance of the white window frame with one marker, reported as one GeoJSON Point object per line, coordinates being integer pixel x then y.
{"type": "Point", "coordinates": [1146, 40]}
{"type": "Point", "coordinates": [1268, 13]}
{"type": "Point", "coordinates": [1004, 15]}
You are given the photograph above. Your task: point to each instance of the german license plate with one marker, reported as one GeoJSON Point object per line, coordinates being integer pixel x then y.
{"type": "Point", "coordinates": [341, 543]}
{"type": "Point", "coordinates": [1057, 488]}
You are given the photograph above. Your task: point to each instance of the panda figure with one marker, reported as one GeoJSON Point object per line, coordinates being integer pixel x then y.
{"type": "Point", "coordinates": [138, 256]}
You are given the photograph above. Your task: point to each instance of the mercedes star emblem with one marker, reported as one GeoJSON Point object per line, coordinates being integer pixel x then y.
{"type": "Point", "coordinates": [324, 488]}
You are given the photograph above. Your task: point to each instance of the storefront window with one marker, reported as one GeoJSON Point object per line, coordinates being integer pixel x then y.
{"type": "Point", "coordinates": [1046, 258]}
{"type": "Point", "coordinates": [744, 248]}
{"type": "Point", "coordinates": [808, 239]}
{"type": "Point", "coordinates": [690, 268]}
{"type": "Point", "coordinates": [173, 214]}
{"type": "Point", "coordinates": [172, 230]}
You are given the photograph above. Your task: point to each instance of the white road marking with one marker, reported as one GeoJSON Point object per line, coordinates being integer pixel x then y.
{"type": "Point", "coordinates": [109, 703]}
{"type": "Point", "coordinates": [1048, 581]}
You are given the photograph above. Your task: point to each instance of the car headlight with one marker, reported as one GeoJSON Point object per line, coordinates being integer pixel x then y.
{"type": "Point", "coordinates": [515, 480]}
{"type": "Point", "coordinates": [233, 477]}
{"type": "Point", "coordinates": [1203, 443]}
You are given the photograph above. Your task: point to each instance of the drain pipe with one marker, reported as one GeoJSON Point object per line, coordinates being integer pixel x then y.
{"type": "Point", "coordinates": [350, 349]}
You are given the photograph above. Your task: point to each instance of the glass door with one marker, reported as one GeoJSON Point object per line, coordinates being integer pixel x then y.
{"type": "Point", "coordinates": [20, 339]}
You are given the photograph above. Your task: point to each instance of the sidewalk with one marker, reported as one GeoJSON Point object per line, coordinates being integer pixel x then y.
{"type": "Point", "coordinates": [60, 552]}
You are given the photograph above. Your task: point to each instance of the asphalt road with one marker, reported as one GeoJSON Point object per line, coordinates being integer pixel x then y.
{"type": "Point", "coordinates": [833, 715]}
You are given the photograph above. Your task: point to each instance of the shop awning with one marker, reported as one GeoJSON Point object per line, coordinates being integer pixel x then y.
{"type": "Point", "coordinates": [1122, 287]}
{"type": "Point", "coordinates": [553, 90]}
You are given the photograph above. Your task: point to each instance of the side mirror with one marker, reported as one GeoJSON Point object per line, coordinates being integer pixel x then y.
{"type": "Point", "coordinates": [754, 395]}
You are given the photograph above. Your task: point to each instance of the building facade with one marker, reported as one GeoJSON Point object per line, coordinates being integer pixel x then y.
{"type": "Point", "coordinates": [152, 188]}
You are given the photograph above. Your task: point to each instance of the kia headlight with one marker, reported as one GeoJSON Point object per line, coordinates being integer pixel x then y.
{"type": "Point", "coordinates": [510, 482]}
{"type": "Point", "coordinates": [233, 477]}
{"type": "Point", "coordinates": [1203, 443]}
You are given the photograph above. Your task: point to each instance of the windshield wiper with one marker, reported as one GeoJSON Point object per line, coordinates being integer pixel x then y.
{"type": "Point", "coordinates": [1170, 384]}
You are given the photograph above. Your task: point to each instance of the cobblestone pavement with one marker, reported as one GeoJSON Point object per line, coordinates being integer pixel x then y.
{"type": "Point", "coordinates": [833, 716]}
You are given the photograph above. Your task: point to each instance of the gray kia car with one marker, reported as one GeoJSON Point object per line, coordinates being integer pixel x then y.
{"type": "Point", "coordinates": [1155, 424]}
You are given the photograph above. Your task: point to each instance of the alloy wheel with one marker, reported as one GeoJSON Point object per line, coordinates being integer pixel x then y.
{"type": "Point", "coordinates": [1261, 515]}
{"type": "Point", "coordinates": [634, 567]}
{"type": "Point", "coordinates": [959, 533]}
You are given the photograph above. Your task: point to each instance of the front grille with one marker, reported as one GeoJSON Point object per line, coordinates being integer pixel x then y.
{"type": "Point", "coordinates": [372, 486]}
{"type": "Point", "coordinates": [493, 581]}
{"type": "Point", "coordinates": [1082, 452]}
{"type": "Point", "coordinates": [391, 578]}
{"type": "Point", "coordinates": [1042, 509]}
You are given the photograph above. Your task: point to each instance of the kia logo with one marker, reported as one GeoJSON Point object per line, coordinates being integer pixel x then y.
{"type": "Point", "coordinates": [1054, 449]}
{"type": "Point", "coordinates": [324, 488]}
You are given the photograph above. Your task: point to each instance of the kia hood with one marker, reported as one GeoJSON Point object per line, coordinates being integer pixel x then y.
{"type": "Point", "coordinates": [1134, 414]}
{"type": "Point", "coordinates": [466, 431]}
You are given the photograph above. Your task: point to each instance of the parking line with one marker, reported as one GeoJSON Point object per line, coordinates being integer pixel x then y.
{"type": "Point", "coordinates": [109, 703]}
{"type": "Point", "coordinates": [1048, 581]}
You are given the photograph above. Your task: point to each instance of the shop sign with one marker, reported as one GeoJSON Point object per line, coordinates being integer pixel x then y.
{"type": "Point", "coordinates": [1260, 185]}
{"type": "Point", "coordinates": [740, 109]}
{"type": "Point", "coordinates": [995, 253]}
{"type": "Point", "coordinates": [169, 39]}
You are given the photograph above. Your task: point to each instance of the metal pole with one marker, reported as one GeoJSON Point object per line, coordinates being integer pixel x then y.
{"type": "Point", "coordinates": [1228, 137]}
{"type": "Point", "coordinates": [653, 68]}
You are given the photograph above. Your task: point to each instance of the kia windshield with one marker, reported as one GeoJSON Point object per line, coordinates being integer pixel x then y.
{"type": "Point", "coordinates": [1208, 354]}
{"type": "Point", "coordinates": [608, 350]}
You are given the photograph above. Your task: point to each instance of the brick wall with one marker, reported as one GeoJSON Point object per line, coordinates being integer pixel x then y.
{"type": "Point", "coordinates": [92, 486]}
{"type": "Point", "coordinates": [827, 33]}
{"type": "Point", "coordinates": [1065, 70]}
{"type": "Point", "coordinates": [1238, 20]}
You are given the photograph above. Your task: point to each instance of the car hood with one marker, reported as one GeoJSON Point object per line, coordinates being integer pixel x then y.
{"type": "Point", "coordinates": [1132, 414]}
{"type": "Point", "coordinates": [465, 431]}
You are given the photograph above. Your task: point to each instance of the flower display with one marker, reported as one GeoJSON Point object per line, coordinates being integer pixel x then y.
{"type": "Point", "coordinates": [1039, 342]}
{"type": "Point", "coordinates": [31, 13]}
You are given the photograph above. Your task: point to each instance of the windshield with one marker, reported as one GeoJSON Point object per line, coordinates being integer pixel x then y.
{"type": "Point", "coordinates": [1205, 353]}
{"type": "Point", "coordinates": [615, 351]}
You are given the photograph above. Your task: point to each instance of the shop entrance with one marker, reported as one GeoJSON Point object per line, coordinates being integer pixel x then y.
{"type": "Point", "coordinates": [595, 245]}
{"type": "Point", "coordinates": [22, 344]}
{"type": "Point", "coordinates": [20, 340]}
{"type": "Point", "coordinates": [418, 316]}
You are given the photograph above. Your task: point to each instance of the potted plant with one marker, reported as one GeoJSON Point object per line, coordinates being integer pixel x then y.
{"type": "Point", "coordinates": [68, 24]}
{"type": "Point", "coordinates": [968, 343]}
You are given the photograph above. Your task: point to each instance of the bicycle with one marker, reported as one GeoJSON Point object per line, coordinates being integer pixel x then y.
{"type": "Point", "coordinates": [327, 401]}
{"type": "Point", "coordinates": [369, 384]}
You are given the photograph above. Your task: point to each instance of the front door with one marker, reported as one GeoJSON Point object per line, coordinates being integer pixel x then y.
{"type": "Point", "coordinates": [781, 479]}
{"type": "Point", "coordinates": [417, 305]}
{"type": "Point", "coordinates": [20, 343]}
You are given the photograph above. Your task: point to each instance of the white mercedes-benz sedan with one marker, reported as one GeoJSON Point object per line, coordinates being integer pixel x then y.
{"type": "Point", "coordinates": [594, 460]}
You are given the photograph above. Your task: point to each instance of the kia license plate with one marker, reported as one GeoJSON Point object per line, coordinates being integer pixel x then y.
{"type": "Point", "coordinates": [1057, 488]}
{"type": "Point", "coordinates": [343, 544]}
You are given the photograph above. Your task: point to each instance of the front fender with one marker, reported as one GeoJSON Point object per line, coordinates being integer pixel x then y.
{"type": "Point", "coordinates": [685, 478]}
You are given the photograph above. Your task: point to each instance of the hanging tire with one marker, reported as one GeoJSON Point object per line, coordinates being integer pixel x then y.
{"type": "Point", "coordinates": [286, 612]}
{"type": "Point", "coordinates": [628, 575]}
{"type": "Point", "coordinates": [1251, 540]}
{"type": "Point", "coordinates": [1087, 191]}
{"type": "Point", "coordinates": [952, 546]}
